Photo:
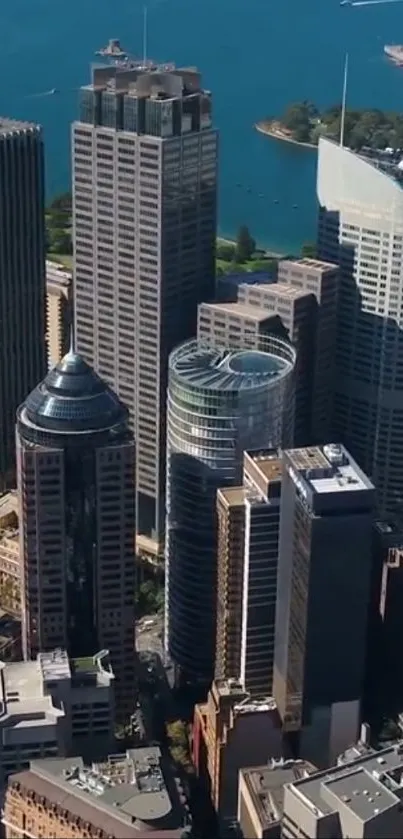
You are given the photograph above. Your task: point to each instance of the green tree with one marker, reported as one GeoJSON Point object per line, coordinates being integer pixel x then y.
{"type": "Point", "coordinates": [308, 250]}
{"type": "Point", "coordinates": [225, 251]}
{"type": "Point", "coordinates": [245, 245]}
{"type": "Point", "coordinates": [62, 202]}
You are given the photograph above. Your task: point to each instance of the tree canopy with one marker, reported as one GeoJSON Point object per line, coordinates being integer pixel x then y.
{"type": "Point", "coordinates": [245, 245]}
{"type": "Point", "coordinates": [373, 128]}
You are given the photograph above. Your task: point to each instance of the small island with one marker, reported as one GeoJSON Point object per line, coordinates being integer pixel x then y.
{"type": "Point", "coordinates": [303, 123]}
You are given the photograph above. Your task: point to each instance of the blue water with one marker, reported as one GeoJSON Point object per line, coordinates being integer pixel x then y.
{"type": "Point", "coordinates": [256, 56]}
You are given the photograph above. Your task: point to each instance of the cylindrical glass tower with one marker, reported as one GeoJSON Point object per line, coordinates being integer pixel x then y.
{"type": "Point", "coordinates": [220, 402]}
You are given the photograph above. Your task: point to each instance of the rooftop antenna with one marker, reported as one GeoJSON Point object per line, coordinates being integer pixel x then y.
{"type": "Point", "coordinates": [144, 36]}
{"type": "Point", "coordinates": [343, 104]}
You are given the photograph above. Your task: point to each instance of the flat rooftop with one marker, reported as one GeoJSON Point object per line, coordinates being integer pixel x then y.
{"type": "Point", "coordinates": [269, 463]}
{"type": "Point", "coordinates": [313, 264]}
{"type": "Point", "coordinates": [241, 310]}
{"type": "Point", "coordinates": [9, 126]}
{"type": "Point", "coordinates": [266, 786]}
{"type": "Point", "coordinates": [284, 290]}
{"type": "Point", "coordinates": [327, 470]}
{"type": "Point", "coordinates": [9, 505]}
{"type": "Point", "coordinates": [232, 496]}
{"type": "Point", "coordinates": [125, 795]}
{"type": "Point", "coordinates": [370, 785]}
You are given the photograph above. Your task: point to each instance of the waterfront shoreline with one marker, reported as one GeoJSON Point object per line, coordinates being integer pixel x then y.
{"type": "Point", "coordinates": [276, 133]}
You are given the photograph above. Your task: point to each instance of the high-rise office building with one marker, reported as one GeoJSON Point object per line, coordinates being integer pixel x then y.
{"type": "Point", "coordinates": [144, 196]}
{"type": "Point", "coordinates": [305, 298]}
{"type": "Point", "coordinates": [323, 593]}
{"type": "Point", "coordinates": [361, 227]}
{"type": "Point", "coordinates": [247, 553]}
{"type": "Point", "coordinates": [22, 269]}
{"type": "Point", "coordinates": [75, 464]}
{"type": "Point", "coordinates": [220, 403]}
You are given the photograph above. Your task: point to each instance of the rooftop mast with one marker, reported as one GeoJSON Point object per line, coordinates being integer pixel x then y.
{"type": "Point", "coordinates": [343, 104]}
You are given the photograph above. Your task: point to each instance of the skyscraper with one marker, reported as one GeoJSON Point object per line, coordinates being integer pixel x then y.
{"type": "Point", "coordinates": [323, 593]}
{"type": "Point", "coordinates": [75, 462]}
{"type": "Point", "coordinates": [361, 226]}
{"type": "Point", "coordinates": [22, 270]}
{"type": "Point", "coordinates": [144, 196]}
{"type": "Point", "coordinates": [247, 558]}
{"type": "Point", "coordinates": [220, 402]}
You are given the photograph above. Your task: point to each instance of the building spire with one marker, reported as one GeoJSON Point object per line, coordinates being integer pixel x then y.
{"type": "Point", "coordinates": [145, 35]}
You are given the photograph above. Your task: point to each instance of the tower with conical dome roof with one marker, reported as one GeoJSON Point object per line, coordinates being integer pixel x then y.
{"type": "Point", "coordinates": [75, 467]}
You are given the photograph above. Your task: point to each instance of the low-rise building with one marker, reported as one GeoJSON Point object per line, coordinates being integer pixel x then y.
{"type": "Point", "coordinates": [54, 706]}
{"type": "Point", "coordinates": [121, 797]}
{"type": "Point", "coordinates": [229, 732]}
{"type": "Point", "coordinates": [261, 796]}
{"type": "Point", "coordinates": [361, 799]}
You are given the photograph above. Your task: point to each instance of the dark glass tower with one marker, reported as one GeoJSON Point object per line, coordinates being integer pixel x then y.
{"type": "Point", "coordinates": [75, 463]}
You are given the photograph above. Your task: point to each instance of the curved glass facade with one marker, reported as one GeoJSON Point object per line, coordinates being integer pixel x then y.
{"type": "Point", "coordinates": [219, 404]}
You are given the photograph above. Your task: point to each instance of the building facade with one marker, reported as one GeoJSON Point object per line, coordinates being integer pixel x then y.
{"type": "Point", "coordinates": [59, 311]}
{"type": "Point", "coordinates": [248, 520]}
{"type": "Point", "coordinates": [231, 731]}
{"type": "Point", "coordinates": [75, 457]}
{"type": "Point", "coordinates": [323, 594]}
{"type": "Point", "coordinates": [361, 226]}
{"type": "Point", "coordinates": [144, 199]}
{"type": "Point", "coordinates": [22, 268]}
{"type": "Point", "coordinates": [220, 402]}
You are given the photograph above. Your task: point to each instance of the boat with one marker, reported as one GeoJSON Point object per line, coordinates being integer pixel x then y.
{"type": "Point", "coordinates": [395, 53]}
{"type": "Point", "coordinates": [112, 49]}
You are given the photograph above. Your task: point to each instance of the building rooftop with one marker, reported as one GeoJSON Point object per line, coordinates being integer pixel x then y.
{"type": "Point", "coordinates": [125, 795]}
{"type": "Point", "coordinates": [268, 462]}
{"type": "Point", "coordinates": [284, 290]}
{"type": "Point", "coordinates": [370, 785]}
{"type": "Point", "coordinates": [232, 496]}
{"type": "Point", "coordinates": [326, 470]}
{"type": "Point", "coordinates": [197, 364]}
{"type": "Point", "coordinates": [57, 277]}
{"type": "Point", "coordinates": [148, 79]}
{"type": "Point", "coordinates": [72, 399]}
{"type": "Point", "coordinates": [313, 264]}
{"type": "Point", "coordinates": [9, 508]}
{"type": "Point", "coordinates": [241, 310]}
{"type": "Point", "coordinates": [12, 126]}
{"type": "Point", "coordinates": [266, 786]}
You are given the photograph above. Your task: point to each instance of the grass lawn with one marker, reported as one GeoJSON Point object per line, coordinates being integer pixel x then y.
{"type": "Point", "coordinates": [64, 259]}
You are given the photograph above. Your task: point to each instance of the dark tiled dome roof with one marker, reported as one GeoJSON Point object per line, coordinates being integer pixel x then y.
{"type": "Point", "coordinates": [72, 397]}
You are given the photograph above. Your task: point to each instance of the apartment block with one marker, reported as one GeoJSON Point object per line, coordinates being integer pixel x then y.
{"type": "Point", "coordinates": [144, 200]}
{"type": "Point", "coordinates": [231, 731]}
{"type": "Point", "coordinates": [360, 799]}
{"type": "Point", "coordinates": [247, 551]}
{"type": "Point", "coordinates": [235, 325]}
{"type": "Point", "coordinates": [22, 266]}
{"type": "Point", "coordinates": [54, 706]}
{"type": "Point", "coordinates": [261, 796]}
{"type": "Point", "coordinates": [123, 796]}
{"type": "Point", "coordinates": [59, 311]}
{"type": "Point", "coordinates": [323, 595]}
